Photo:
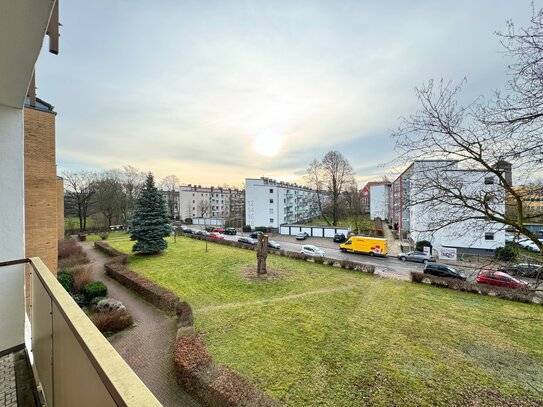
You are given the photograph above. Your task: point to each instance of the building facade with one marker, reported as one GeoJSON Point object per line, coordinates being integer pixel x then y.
{"type": "Point", "coordinates": [196, 201]}
{"type": "Point", "coordinates": [365, 197]}
{"type": "Point", "coordinates": [418, 216]}
{"type": "Point", "coordinates": [271, 203]}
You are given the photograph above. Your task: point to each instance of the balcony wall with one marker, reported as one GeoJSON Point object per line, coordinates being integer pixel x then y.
{"type": "Point", "coordinates": [76, 365]}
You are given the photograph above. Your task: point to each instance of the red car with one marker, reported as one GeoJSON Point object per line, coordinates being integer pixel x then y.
{"type": "Point", "coordinates": [215, 235]}
{"type": "Point", "coordinates": [218, 230]}
{"type": "Point", "coordinates": [499, 278]}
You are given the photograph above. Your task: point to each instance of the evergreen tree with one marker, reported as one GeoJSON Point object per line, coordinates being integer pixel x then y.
{"type": "Point", "coordinates": [151, 223]}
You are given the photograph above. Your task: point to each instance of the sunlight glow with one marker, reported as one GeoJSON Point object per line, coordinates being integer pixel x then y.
{"type": "Point", "coordinates": [267, 143]}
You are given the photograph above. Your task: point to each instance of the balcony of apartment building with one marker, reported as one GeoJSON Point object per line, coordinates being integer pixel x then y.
{"type": "Point", "coordinates": [50, 352]}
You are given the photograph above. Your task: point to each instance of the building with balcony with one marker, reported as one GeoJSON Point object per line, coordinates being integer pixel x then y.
{"type": "Point", "coordinates": [197, 201]}
{"type": "Point", "coordinates": [418, 214]}
{"type": "Point", "coordinates": [271, 203]}
{"type": "Point", "coordinates": [50, 352]}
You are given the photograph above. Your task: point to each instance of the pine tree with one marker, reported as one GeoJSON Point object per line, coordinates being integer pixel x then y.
{"type": "Point", "coordinates": [151, 223]}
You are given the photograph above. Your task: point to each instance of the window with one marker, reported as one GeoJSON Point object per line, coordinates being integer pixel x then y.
{"type": "Point", "coordinates": [271, 211]}
{"type": "Point", "coordinates": [193, 201]}
{"type": "Point", "coordinates": [271, 200]}
{"type": "Point", "coordinates": [489, 180]}
{"type": "Point", "coordinates": [193, 208]}
{"type": "Point", "coordinates": [489, 236]}
{"type": "Point", "coordinates": [271, 190]}
{"type": "Point", "coordinates": [271, 220]}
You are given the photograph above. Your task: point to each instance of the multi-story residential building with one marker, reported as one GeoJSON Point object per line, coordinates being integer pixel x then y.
{"type": "Point", "coordinates": [418, 214]}
{"type": "Point", "coordinates": [272, 203]}
{"type": "Point", "coordinates": [365, 196]}
{"type": "Point", "coordinates": [72, 362]}
{"type": "Point", "coordinates": [196, 201]}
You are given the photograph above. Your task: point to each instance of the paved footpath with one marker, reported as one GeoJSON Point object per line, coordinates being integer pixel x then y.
{"type": "Point", "coordinates": [147, 347]}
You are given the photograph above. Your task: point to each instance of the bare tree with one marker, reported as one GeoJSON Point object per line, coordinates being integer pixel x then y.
{"type": "Point", "coordinates": [203, 208]}
{"type": "Point", "coordinates": [132, 181]}
{"type": "Point", "coordinates": [80, 190]}
{"type": "Point", "coordinates": [110, 196]}
{"type": "Point", "coordinates": [330, 178]}
{"type": "Point", "coordinates": [484, 137]}
{"type": "Point", "coordinates": [170, 184]}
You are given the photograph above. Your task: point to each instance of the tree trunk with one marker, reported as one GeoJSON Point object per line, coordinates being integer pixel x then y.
{"type": "Point", "coordinates": [261, 254]}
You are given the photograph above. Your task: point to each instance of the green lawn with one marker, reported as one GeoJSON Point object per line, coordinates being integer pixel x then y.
{"type": "Point", "coordinates": [326, 336]}
{"type": "Point", "coordinates": [118, 234]}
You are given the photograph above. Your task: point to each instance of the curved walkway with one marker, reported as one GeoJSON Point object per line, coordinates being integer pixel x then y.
{"type": "Point", "coordinates": [147, 347]}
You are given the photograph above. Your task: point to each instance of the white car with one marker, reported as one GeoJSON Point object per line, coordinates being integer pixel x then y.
{"type": "Point", "coordinates": [312, 250]}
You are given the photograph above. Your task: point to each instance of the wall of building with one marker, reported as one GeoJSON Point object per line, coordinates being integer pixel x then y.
{"type": "Point", "coordinates": [60, 208]}
{"type": "Point", "coordinates": [379, 201]}
{"type": "Point", "coordinates": [41, 187]}
{"type": "Point", "coordinates": [11, 226]}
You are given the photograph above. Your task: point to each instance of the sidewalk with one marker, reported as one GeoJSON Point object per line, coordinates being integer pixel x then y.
{"type": "Point", "coordinates": [147, 347]}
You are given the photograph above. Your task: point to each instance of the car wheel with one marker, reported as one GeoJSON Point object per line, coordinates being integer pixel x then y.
{"type": "Point", "coordinates": [371, 254]}
{"type": "Point", "coordinates": [403, 258]}
{"type": "Point", "coordinates": [343, 250]}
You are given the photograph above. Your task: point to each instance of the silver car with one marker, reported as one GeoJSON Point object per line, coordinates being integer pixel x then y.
{"type": "Point", "coordinates": [416, 256]}
{"type": "Point", "coordinates": [312, 250]}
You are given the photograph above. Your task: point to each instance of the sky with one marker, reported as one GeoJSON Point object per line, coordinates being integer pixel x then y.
{"type": "Point", "coordinates": [218, 91]}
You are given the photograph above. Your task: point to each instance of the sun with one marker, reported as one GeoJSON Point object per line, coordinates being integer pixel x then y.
{"type": "Point", "coordinates": [267, 143]}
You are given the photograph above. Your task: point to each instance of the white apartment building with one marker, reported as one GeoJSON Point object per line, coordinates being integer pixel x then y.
{"type": "Point", "coordinates": [196, 201]}
{"type": "Point", "coordinates": [271, 203]}
{"type": "Point", "coordinates": [417, 219]}
{"type": "Point", "coordinates": [379, 197]}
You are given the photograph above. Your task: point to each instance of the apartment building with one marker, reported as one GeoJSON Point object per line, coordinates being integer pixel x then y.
{"type": "Point", "coordinates": [418, 216]}
{"type": "Point", "coordinates": [272, 203]}
{"type": "Point", "coordinates": [73, 363]}
{"type": "Point", "coordinates": [196, 201]}
{"type": "Point", "coordinates": [365, 196]}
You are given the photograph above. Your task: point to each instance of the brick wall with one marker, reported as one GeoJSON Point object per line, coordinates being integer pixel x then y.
{"type": "Point", "coordinates": [41, 187]}
{"type": "Point", "coordinates": [60, 208]}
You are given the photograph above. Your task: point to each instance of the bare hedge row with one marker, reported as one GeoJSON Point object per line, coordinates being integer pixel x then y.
{"type": "Point", "coordinates": [345, 264]}
{"type": "Point", "coordinates": [520, 295]}
{"type": "Point", "coordinates": [195, 369]}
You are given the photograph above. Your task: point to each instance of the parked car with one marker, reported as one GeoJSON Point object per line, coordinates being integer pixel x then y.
{"type": "Point", "coordinates": [273, 244]}
{"type": "Point", "coordinates": [339, 238]}
{"type": "Point", "coordinates": [312, 250]}
{"type": "Point", "coordinates": [416, 256]}
{"type": "Point", "coordinates": [247, 240]}
{"type": "Point", "coordinates": [254, 235]}
{"type": "Point", "coordinates": [218, 230]}
{"type": "Point", "coordinates": [442, 270]}
{"type": "Point", "coordinates": [524, 270]}
{"type": "Point", "coordinates": [209, 228]}
{"type": "Point", "coordinates": [215, 235]}
{"type": "Point", "coordinates": [200, 232]}
{"type": "Point", "coordinates": [500, 279]}
{"type": "Point", "coordinates": [302, 236]}
{"type": "Point", "coordinates": [230, 231]}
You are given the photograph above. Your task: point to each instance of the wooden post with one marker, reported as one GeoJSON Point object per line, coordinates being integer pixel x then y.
{"type": "Point", "coordinates": [261, 254]}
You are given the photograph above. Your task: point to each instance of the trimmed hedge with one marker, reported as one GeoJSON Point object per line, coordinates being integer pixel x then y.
{"type": "Point", "coordinates": [111, 252]}
{"type": "Point", "coordinates": [519, 295]}
{"type": "Point", "coordinates": [93, 290]}
{"type": "Point", "coordinates": [66, 280]}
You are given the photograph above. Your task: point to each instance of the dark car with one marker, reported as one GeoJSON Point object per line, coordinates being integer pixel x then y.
{"type": "Point", "coordinates": [247, 240]}
{"type": "Point", "coordinates": [339, 238]}
{"type": "Point", "coordinates": [442, 270]}
{"type": "Point", "coordinates": [524, 270]}
{"type": "Point", "coordinates": [254, 235]}
{"type": "Point", "coordinates": [302, 236]}
{"type": "Point", "coordinates": [500, 279]}
{"type": "Point", "coordinates": [230, 231]}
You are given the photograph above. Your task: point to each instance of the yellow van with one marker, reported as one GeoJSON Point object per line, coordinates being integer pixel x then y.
{"type": "Point", "coordinates": [365, 245]}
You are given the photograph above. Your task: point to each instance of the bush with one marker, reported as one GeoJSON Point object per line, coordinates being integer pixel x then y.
{"type": "Point", "coordinates": [104, 235]}
{"type": "Point", "coordinates": [319, 260]}
{"type": "Point", "coordinates": [246, 228]}
{"type": "Point", "coordinates": [93, 290]}
{"type": "Point", "coordinates": [81, 277]}
{"type": "Point", "coordinates": [113, 321]}
{"type": "Point", "coordinates": [417, 276]}
{"type": "Point", "coordinates": [506, 253]}
{"type": "Point", "coordinates": [68, 247]}
{"type": "Point", "coordinates": [66, 280]}
{"type": "Point", "coordinates": [419, 246]}
{"type": "Point", "coordinates": [262, 229]}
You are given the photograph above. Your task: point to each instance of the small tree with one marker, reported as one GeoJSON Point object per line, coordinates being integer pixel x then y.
{"type": "Point", "coordinates": [261, 254]}
{"type": "Point", "coordinates": [151, 224]}
{"type": "Point", "coordinates": [419, 246]}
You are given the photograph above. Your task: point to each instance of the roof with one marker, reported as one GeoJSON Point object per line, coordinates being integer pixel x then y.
{"type": "Point", "coordinates": [375, 183]}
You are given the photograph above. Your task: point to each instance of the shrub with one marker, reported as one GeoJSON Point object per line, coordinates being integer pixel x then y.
{"type": "Point", "coordinates": [104, 235]}
{"type": "Point", "coordinates": [417, 276]}
{"type": "Point", "coordinates": [113, 321]}
{"type": "Point", "coordinates": [262, 229]}
{"type": "Point", "coordinates": [419, 246]}
{"type": "Point", "coordinates": [66, 280]}
{"type": "Point", "coordinates": [79, 299]}
{"type": "Point", "coordinates": [93, 290]}
{"type": "Point", "coordinates": [343, 264]}
{"type": "Point", "coordinates": [67, 248]}
{"type": "Point", "coordinates": [319, 260]}
{"type": "Point", "coordinates": [96, 300]}
{"type": "Point", "coordinates": [506, 253]}
{"type": "Point", "coordinates": [81, 277]}
{"type": "Point", "coordinates": [75, 258]}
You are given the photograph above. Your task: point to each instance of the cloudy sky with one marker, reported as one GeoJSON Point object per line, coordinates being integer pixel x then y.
{"type": "Point", "coordinates": [216, 91]}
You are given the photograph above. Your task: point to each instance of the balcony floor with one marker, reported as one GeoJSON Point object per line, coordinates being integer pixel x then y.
{"type": "Point", "coordinates": [17, 387]}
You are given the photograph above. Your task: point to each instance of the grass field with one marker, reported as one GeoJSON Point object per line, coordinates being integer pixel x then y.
{"type": "Point", "coordinates": [118, 234]}
{"type": "Point", "coordinates": [326, 336]}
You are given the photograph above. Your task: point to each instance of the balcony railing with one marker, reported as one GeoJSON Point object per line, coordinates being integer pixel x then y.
{"type": "Point", "coordinates": [75, 364]}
